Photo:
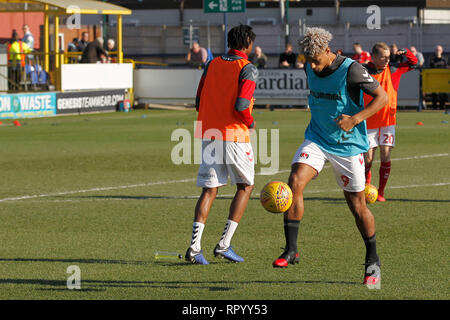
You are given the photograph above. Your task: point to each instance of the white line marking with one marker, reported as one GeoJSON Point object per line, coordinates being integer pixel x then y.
{"type": "Point", "coordinates": [421, 157]}
{"type": "Point", "coordinates": [387, 188]}
{"type": "Point", "coordinates": [63, 193]}
{"type": "Point", "coordinates": [254, 195]}
{"type": "Point", "coordinates": [394, 159]}
{"type": "Point", "coordinates": [95, 189]}
{"type": "Point", "coordinates": [421, 185]}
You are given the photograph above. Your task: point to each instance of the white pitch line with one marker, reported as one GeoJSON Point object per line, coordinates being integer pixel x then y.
{"type": "Point", "coordinates": [63, 193]}
{"type": "Point", "coordinates": [389, 187]}
{"type": "Point", "coordinates": [232, 195]}
{"type": "Point", "coordinates": [421, 157]}
{"type": "Point", "coordinates": [95, 189]}
{"type": "Point", "coordinates": [421, 185]}
{"type": "Point", "coordinates": [394, 159]}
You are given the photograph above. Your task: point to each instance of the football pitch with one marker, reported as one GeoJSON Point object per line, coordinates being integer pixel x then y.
{"type": "Point", "coordinates": [100, 192]}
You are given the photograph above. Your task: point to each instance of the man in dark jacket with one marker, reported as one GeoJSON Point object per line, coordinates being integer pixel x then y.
{"type": "Point", "coordinates": [438, 61]}
{"type": "Point", "coordinates": [82, 44]}
{"type": "Point", "coordinates": [288, 58]}
{"type": "Point", "coordinates": [94, 52]}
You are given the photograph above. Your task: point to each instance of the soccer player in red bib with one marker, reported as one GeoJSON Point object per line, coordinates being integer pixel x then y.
{"type": "Point", "coordinates": [381, 126]}
{"type": "Point", "coordinates": [224, 104]}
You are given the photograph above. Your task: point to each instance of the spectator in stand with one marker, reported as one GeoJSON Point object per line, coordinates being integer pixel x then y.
{"type": "Point", "coordinates": [440, 62]}
{"type": "Point", "coordinates": [301, 61]}
{"type": "Point", "coordinates": [28, 39]}
{"type": "Point", "coordinates": [197, 56]}
{"type": "Point", "coordinates": [395, 57]}
{"type": "Point", "coordinates": [28, 36]}
{"type": "Point", "coordinates": [16, 51]}
{"type": "Point", "coordinates": [94, 52]}
{"type": "Point", "coordinates": [258, 58]}
{"type": "Point", "coordinates": [288, 58]}
{"type": "Point", "coordinates": [339, 52]}
{"type": "Point", "coordinates": [110, 46]}
{"type": "Point", "coordinates": [73, 47]}
{"type": "Point", "coordinates": [360, 55]}
{"type": "Point", "coordinates": [418, 55]}
{"type": "Point", "coordinates": [82, 44]}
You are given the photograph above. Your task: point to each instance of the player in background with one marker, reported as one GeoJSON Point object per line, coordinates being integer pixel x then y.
{"type": "Point", "coordinates": [336, 133]}
{"type": "Point", "coordinates": [381, 126]}
{"type": "Point", "coordinates": [360, 55]}
{"type": "Point", "coordinates": [224, 103]}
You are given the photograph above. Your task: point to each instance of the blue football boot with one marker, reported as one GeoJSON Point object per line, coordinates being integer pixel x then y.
{"type": "Point", "coordinates": [195, 257]}
{"type": "Point", "coordinates": [228, 254]}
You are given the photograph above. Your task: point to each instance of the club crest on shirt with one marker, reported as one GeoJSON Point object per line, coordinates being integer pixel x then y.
{"type": "Point", "coordinates": [304, 155]}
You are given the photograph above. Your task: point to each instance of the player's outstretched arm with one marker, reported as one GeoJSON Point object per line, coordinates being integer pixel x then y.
{"type": "Point", "coordinates": [380, 99]}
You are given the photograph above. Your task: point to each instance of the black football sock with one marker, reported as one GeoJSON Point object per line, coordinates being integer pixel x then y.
{"type": "Point", "coordinates": [371, 249]}
{"type": "Point", "coordinates": [291, 234]}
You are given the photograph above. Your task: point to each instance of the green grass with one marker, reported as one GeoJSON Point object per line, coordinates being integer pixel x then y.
{"type": "Point", "coordinates": [82, 192]}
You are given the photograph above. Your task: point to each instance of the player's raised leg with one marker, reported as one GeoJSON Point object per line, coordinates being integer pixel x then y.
{"type": "Point", "coordinates": [301, 175]}
{"type": "Point", "coordinates": [237, 209]}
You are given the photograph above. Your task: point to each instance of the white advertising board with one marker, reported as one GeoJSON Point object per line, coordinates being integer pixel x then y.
{"type": "Point", "coordinates": [94, 76]}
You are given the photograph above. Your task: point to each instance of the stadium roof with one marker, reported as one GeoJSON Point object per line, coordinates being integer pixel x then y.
{"type": "Point", "coordinates": [198, 4]}
{"type": "Point", "coordinates": [63, 6]}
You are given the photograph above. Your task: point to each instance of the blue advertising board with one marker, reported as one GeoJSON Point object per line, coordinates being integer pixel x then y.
{"type": "Point", "coordinates": [16, 106]}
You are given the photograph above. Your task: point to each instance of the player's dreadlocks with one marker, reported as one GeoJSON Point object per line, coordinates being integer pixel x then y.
{"type": "Point", "coordinates": [240, 37]}
{"type": "Point", "coordinates": [315, 41]}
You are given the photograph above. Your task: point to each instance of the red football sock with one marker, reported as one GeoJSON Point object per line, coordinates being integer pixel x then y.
{"type": "Point", "coordinates": [385, 170]}
{"type": "Point", "coordinates": [368, 173]}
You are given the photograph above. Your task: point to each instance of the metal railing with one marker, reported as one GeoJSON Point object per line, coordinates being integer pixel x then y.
{"type": "Point", "coordinates": [28, 74]}
{"type": "Point", "coordinates": [40, 71]}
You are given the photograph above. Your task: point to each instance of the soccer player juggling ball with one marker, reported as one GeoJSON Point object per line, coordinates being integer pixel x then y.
{"type": "Point", "coordinates": [336, 133]}
{"type": "Point", "coordinates": [224, 104]}
{"type": "Point", "coordinates": [381, 126]}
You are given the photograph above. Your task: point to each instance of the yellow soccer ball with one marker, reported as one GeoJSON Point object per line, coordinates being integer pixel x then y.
{"type": "Point", "coordinates": [371, 193]}
{"type": "Point", "coordinates": [276, 197]}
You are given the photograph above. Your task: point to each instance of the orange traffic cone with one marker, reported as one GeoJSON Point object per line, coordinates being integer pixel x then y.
{"type": "Point", "coordinates": [17, 123]}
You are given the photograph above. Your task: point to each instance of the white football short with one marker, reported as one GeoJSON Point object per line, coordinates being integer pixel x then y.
{"type": "Point", "coordinates": [384, 136]}
{"type": "Point", "coordinates": [349, 171]}
{"type": "Point", "coordinates": [223, 159]}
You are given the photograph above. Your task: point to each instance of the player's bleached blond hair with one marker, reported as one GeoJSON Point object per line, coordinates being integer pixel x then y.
{"type": "Point", "coordinates": [315, 41]}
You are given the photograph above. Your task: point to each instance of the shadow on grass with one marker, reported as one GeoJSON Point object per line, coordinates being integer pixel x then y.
{"type": "Point", "coordinates": [419, 200]}
{"type": "Point", "coordinates": [326, 200]}
{"type": "Point", "coordinates": [101, 285]}
{"type": "Point", "coordinates": [219, 197]}
{"type": "Point", "coordinates": [121, 197]}
{"type": "Point", "coordinates": [101, 261]}
{"type": "Point", "coordinates": [162, 263]}
{"type": "Point", "coordinates": [74, 290]}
